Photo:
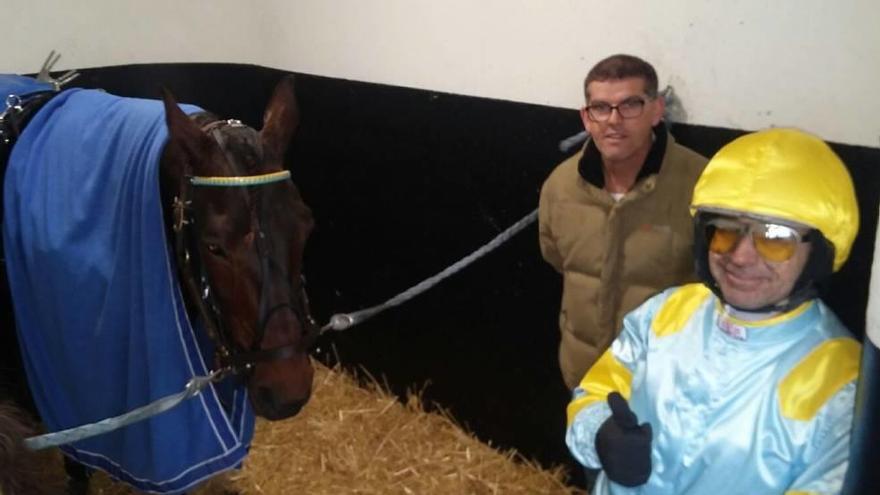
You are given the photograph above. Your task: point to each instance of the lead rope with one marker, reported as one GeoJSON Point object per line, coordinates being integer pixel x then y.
{"type": "Point", "coordinates": [344, 321]}
{"type": "Point", "coordinates": [70, 435]}
{"type": "Point", "coordinates": [338, 322]}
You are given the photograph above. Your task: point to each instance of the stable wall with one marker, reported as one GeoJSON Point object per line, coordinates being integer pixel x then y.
{"type": "Point", "coordinates": [742, 64]}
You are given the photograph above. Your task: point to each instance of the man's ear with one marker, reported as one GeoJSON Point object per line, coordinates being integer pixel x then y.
{"type": "Point", "coordinates": [585, 118]}
{"type": "Point", "coordinates": [659, 105]}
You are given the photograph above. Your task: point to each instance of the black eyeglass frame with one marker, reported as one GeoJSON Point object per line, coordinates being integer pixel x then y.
{"type": "Point", "coordinates": [642, 101]}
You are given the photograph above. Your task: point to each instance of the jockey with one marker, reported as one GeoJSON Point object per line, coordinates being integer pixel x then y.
{"type": "Point", "coordinates": [744, 383]}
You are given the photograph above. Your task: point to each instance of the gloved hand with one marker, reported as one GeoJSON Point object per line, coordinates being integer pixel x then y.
{"type": "Point", "coordinates": [624, 447]}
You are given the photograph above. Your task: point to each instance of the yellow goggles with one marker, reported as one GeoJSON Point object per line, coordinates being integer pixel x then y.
{"type": "Point", "coordinates": [773, 242]}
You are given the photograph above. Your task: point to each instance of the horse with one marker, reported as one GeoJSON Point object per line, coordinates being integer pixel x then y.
{"type": "Point", "coordinates": [233, 228]}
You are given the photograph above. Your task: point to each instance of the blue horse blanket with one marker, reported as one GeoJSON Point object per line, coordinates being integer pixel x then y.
{"type": "Point", "coordinates": [99, 312]}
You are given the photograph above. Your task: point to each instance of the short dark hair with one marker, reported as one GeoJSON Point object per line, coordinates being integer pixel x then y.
{"type": "Point", "coordinates": [622, 66]}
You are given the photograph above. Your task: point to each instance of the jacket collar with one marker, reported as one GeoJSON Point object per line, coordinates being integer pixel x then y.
{"type": "Point", "coordinates": [590, 164]}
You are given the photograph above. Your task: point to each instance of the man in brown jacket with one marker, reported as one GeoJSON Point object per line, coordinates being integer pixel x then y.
{"type": "Point", "coordinates": [614, 219]}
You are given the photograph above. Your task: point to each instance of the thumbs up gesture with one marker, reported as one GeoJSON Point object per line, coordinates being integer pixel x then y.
{"type": "Point", "coordinates": [624, 446]}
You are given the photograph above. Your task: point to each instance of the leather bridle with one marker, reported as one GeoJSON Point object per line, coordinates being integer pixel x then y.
{"type": "Point", "coordinates": [195, 280]}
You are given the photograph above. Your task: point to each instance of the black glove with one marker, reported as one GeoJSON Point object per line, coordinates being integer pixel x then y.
{"type": "Point", "coordinates": [623, 446]}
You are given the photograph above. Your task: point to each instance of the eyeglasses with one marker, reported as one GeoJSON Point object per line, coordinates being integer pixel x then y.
{"type": "Point", "coordinates": [774, 242]}
{"type": "Point", "coordinates": [629, 108]}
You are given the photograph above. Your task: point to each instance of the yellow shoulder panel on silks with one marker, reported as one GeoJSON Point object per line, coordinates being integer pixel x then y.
{"type": "Point", "coordinates": [678, 309]}
{"type": "Point", "coordinates": [606, 376]}
{"type": "Point", "coordinates": [818, 376]}
{"type": "Point", "coordinates": [801, 493]}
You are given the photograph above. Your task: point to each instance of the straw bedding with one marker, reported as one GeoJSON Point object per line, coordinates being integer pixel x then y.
{"type": "Point", "coordinates": [360, 439]}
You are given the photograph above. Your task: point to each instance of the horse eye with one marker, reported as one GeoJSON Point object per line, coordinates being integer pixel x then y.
{"type": "Point", "coordinates": [215, 250]}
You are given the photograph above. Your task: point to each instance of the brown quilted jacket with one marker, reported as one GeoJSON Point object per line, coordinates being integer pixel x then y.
{"type": "Point", "coordinates": [613, 255]}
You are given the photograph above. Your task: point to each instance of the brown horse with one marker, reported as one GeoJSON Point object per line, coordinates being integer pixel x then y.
{"type": "Point", "coordinates": [249, 241]}
{"type": "Point", "coordinates": [238, 227]}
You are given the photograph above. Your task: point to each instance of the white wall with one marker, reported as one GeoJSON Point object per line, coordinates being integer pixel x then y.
{"type": "Point", "coordinates": [872, 318]}
{"type": "Point", "coordinates": [742, 64]}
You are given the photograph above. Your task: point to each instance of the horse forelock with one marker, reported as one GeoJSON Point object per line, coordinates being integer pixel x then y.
{"type": "Point", "coordinates": [243, 147]}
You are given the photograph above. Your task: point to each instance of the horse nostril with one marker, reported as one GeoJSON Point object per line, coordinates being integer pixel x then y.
{"type": "Point", "coordinates": [270, 407]}
{"type": "Point", "coordinates": [290, 409]}
{"type": "Point", "coordinates": [265, 396]}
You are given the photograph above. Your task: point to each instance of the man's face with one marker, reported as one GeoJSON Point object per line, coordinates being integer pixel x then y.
{"type": "Point", "coordinates": [748, 280]}
{"type": "Point", "coordinates": [619, 138]}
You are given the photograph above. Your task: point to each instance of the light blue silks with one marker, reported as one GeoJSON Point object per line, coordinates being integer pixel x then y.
{"type": "Point", "coordinates": [717, 394]}
{"type": "Point", "coordinates": [99, 311]}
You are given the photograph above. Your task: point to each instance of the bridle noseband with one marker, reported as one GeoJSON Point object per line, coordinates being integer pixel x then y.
{"type": "Point", "coordinates": [195, 276]}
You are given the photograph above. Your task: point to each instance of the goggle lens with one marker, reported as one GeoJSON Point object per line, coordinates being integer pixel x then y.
{"type": "Point", "coordinates": [773, 242]}
{"type": "Point", "coordinates": [723, 240]}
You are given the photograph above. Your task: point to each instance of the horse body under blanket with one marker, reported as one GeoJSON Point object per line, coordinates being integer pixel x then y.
{"type": "Point", "coordinates": [102, 320]}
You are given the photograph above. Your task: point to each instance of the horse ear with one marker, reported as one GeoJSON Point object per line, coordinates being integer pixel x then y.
{"type": "Point", "coordinates": [186, 137]}
{"type": "Point", "coordinates": [280, 120]}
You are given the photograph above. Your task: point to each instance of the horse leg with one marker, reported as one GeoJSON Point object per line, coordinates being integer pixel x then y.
{"type": "Point", "coordinates": [77, 477]}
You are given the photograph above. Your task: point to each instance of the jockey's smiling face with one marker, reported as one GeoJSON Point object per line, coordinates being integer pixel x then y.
{"type": "Point", "coordinates": [756, 264]}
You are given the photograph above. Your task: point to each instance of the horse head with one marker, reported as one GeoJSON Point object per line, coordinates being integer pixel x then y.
{"type": "Point", "coordinates": [240, 226]}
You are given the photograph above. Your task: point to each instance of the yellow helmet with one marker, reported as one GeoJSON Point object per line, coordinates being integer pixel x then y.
{"type": "Point", "coordinates": [786, 174]}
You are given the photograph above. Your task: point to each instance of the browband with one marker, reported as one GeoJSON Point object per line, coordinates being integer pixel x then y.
{"type": "Point", "coordinates": [241, 181]}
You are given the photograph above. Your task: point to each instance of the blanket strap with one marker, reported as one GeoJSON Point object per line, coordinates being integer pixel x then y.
{"type": "Point", "coordinates": [18, 112]}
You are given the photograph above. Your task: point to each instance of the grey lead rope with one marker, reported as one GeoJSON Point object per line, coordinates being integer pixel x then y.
{"type": "Point", "coordinates": [70, 435]}
{"type": "Point", "coordinates": [343, 321]}
{"type": "Point", "coordinates": [196, 384]}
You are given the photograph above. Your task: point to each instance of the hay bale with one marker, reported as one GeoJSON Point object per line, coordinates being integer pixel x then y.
{"type": "Point", "coordinates": [361, 439]}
